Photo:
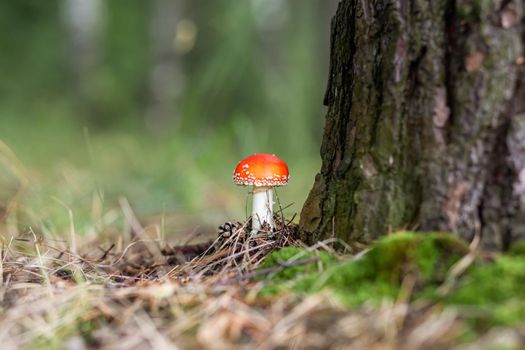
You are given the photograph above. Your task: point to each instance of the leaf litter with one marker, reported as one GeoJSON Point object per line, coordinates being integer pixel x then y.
{"type": "Point", "coordinates": [140, 293]}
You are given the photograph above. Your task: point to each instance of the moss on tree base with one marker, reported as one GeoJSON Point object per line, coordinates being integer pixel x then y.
{"type": "Point", "coordinates": [414, 264]}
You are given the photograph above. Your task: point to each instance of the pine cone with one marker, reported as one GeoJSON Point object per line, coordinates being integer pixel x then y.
{"type": "Point", "coordinates": [227, 229]}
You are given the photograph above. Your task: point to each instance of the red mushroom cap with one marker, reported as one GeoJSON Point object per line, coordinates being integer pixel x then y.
{"type": "Point", "coordinates": [261, 170]}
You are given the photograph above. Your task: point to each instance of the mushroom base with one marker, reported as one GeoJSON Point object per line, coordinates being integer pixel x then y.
{"type": "Point", "coordinates": [262, 208]}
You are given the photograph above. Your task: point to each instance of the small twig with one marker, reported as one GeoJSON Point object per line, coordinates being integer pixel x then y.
{"type": "Point", "coordinates": [291, 220]}
{"type": "Point", "coordinates": [106, 252]}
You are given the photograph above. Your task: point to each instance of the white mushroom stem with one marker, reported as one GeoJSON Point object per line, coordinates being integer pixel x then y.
{"type": "Point", "coordinates": [262, 208]}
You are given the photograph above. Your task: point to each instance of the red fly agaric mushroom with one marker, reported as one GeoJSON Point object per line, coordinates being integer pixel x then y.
{"type": "Point", "coordinates": [263, 172]}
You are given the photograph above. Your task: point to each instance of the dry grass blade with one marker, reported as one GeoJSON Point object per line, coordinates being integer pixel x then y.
{"type": "Point", "coordinates": [461, 266]}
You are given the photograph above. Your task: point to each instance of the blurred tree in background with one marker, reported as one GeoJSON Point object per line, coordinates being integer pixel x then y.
{"type": "Point", "coordinates": [156, 101]}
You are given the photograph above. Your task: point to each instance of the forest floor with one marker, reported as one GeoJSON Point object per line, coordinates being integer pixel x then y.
{"type": "Point", "coordinates": [270, 291]}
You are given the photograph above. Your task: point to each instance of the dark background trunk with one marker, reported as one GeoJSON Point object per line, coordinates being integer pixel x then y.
{"type": "Point", "coordinates": [425, 126]}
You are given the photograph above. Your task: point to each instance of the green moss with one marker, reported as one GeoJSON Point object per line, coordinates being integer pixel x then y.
{"type": "Point", "coordinates": [486, 294]}
{"type": "Point", "coordinates": [495, 290]}
{"type": "Point", "coordinates": [518, 248]}
{"type": "Point", "coordinates": [80, 327]}
{"type": "Point", "coordinates": [380, 272]}
{"type": "Point", "coordinates": [291, 255]}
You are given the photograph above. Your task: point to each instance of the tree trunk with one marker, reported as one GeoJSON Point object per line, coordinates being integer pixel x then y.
{"type": "Point", "coordinates": [426, 122]}
{"type": "Point", "coordinates": [166, 77]}
{"type": "Point", "coordinates": [84, 25]}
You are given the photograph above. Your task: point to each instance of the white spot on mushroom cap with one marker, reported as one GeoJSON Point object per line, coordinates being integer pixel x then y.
{"type": "Point", "coordinates": [252, 181]}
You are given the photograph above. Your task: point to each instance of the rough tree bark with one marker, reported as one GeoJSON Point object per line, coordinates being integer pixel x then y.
{"type": "Point", "coordinates": [426, 122]}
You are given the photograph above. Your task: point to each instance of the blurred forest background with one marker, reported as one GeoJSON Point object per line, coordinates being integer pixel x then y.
{"type": "Point", "coordinates": [156, 102]}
